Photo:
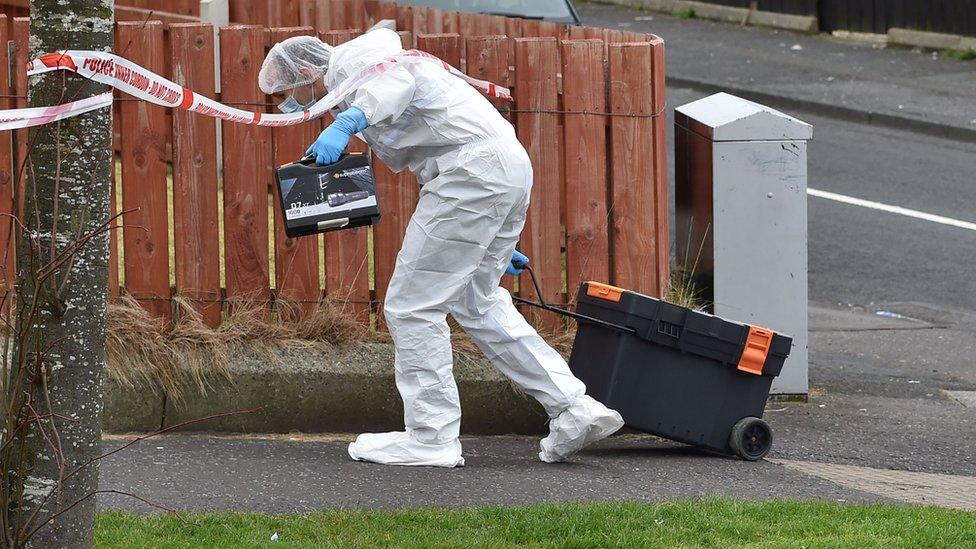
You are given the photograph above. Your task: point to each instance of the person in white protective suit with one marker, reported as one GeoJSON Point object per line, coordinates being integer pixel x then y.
{"type": "Point", "coordinates": [476, 179]}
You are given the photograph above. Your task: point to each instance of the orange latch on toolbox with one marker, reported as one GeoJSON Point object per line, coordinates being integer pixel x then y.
{"type": "Point", "coordinates": [756, 350]}
{"type": "Point", "coordinates": [604, 291]}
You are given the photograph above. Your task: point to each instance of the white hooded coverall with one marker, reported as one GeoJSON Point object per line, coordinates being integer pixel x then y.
{"type": "Point", "coordinates": [476, 179]}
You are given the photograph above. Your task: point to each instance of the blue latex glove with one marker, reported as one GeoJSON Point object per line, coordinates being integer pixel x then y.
{"type": "Point", "coordinates": [334, 139]}
{"type": "Point", "coordinates": [518, 263]}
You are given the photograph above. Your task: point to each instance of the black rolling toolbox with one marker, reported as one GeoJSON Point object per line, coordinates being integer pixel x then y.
{"type": "Point", "coordinates": [675, 372]}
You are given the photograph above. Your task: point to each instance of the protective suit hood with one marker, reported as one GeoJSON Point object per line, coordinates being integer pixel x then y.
{"type": "Point", "coordinates": [297, 61]}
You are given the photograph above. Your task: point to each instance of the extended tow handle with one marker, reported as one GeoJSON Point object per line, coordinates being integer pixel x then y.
{"type": "Point", "coordinates": [562, 312]}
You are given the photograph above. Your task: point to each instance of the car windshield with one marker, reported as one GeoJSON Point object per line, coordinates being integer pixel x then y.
{"type": "Point", "coordinates": [541, 9]}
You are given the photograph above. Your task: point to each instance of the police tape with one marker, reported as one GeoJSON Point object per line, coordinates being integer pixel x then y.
{"type": "Point", "coordinates": [141, 83]}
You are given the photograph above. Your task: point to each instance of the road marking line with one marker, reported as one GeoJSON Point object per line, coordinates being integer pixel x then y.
{"type": "Point", "coordinates": [892, 209]}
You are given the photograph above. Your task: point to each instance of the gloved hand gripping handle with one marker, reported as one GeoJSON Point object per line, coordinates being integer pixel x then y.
{"type": "Point", "coordinates": [333, 140]}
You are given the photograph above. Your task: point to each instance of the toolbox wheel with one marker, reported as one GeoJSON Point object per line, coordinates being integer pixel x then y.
{"type": "Point", "coordinates": [751, 439]}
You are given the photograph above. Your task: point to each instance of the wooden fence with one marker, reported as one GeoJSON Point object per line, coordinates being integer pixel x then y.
{"type": "Point", "coordinates": [589, 109]}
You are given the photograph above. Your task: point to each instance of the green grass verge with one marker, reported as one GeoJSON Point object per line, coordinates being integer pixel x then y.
{"type": "Point", "coordinates": [687, 13]}
{"type": "Point", "coordinates": [967, 54]}
{"type": "Point", "coordinates": [688, 523]}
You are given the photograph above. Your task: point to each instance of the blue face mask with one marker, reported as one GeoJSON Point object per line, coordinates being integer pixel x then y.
{"type": "Point", "coordinates": [291, 105]}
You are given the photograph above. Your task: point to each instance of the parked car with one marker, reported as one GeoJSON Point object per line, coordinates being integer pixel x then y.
{"type": "Point", "coordinates": [559, 11]}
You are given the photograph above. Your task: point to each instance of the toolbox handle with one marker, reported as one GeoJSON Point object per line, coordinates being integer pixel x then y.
{"type": "Point", "coordinates": [310, 159]}
{"type": "Point", "coordinates": [562, 312]}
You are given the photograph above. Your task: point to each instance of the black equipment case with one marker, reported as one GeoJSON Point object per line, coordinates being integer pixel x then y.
{"type": "Point", "coordinates": [317, 199]}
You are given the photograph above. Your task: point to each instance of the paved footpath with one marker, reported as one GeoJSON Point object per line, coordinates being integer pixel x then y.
{"type": "Point", "coordinates": [877, 428]}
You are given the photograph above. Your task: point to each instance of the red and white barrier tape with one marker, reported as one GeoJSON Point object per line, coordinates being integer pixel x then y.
{"type": "Point", "coordinates": [144, 84]}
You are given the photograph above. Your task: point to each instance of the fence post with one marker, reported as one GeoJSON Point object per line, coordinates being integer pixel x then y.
{"type": "Point", "coordinates": [7, 177]}
{"type": "Point", "coordinates": [21, 33]}
{"type": "Point", "coordinates": [196, 238]}
{"type": "Point", "coordinates": [536, 69]}
{"type": "Point", "coordinates": [346, 252]}
{"type": "Point", "coordinates": [143, 139]}
{"type": "Point", "coordinates": [639, 230]}
{"type": "Point", "coordinates": [584, 91]}
{"type": "Point", "coordinates": [247, 169]}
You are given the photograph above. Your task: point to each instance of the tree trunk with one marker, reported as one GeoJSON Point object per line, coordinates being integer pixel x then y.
{"type": "Point", "coordinates": [68, 181]}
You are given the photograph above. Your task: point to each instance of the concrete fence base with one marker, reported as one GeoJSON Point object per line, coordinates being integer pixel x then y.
{"type": "Point", "coordinates": [321, 389]}
{"type": "Point", "coordinates": [930, 40]}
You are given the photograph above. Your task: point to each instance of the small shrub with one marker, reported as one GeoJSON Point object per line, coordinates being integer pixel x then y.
{"type": "Point", "coordinates": [967, 54]}
{"type": "Point", "coordinates": [687, 13]}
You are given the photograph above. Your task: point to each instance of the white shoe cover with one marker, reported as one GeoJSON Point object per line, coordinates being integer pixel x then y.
{"type": "Point", "coordinates": [583, 423]}
{"type": "Point", "coordinates": [399, 448]}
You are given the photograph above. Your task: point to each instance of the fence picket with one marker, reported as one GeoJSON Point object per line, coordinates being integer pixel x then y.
{"type": "Point", "coordinates": [8, 249]}
{"type": "Point", "coordinates": [451, 22]}
{"type": "Point", "coordinates": [307, 12]}
{"type": "Point", "coordinates": [550, 29]}
{"type": "Point", "coordinates": [639, 187]}
{"type": "Point", "coordinates": [249, 12]}
{"type": "Point", "coordinates": [536, 69]}
{"type": "Point", "coordinates": [420, 19]}
{"type": "Point", "coordinates": [584, 91]}
{"type": "Point", "coordinates": [346, 14]}
{"type": "Point", "coordinates": [404, 21]}
{"type": "Point", "coordinates": [21, 32]}
{"type": "Point", "coordinates": [247, 169]}
{"type": "Point", "coordinates": [143, 139]}
{"type": "Point", "coordinates": [196, 234]}
{"type": "Point", "coordinates": [659, 225]}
